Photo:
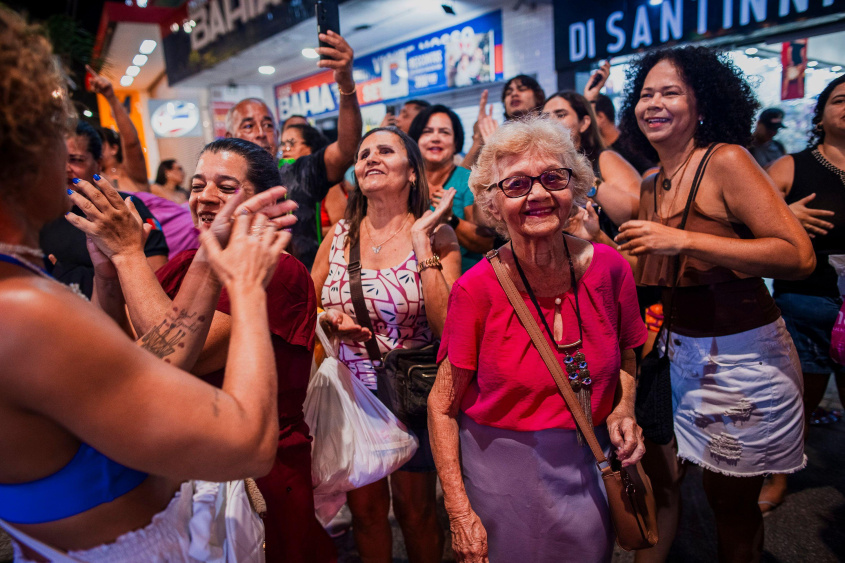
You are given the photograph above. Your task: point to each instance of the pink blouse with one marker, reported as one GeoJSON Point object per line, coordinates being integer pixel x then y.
{"type": "Point", "coordinates": [513, 389]}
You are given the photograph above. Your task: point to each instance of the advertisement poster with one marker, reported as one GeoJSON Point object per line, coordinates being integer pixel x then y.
{"type": "Point", "coordinates": [793, 57]}
{"type": "Point", "coordinates": [462, 55]}
{"type": "Point", "coordinates": [218, 116]}
{"type": "Point", "coordinates": [175, 118]}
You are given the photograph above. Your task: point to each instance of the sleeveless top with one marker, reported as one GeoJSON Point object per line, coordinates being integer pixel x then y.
{"type": "Point", "coordinates": [815, 174]}
{"type": "Point", "coordinates": [394, 299]}
{"type": "Point", "coordinates": [89, 479]}
{"type": "Point", "coordinates": [710, 300]}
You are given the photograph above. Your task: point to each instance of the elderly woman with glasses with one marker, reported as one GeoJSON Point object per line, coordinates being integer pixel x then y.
{"type": "Point", "coordinates": [516, 482]}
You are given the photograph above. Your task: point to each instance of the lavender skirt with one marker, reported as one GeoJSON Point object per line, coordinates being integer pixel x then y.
{"type": "Point", "coordinates": [538, 494]}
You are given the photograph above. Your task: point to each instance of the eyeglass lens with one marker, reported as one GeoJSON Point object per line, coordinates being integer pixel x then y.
{"type": "Point", "coordinates": [552, 180]}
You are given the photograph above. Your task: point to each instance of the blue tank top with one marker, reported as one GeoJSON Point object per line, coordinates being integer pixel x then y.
{"type": "Point", "coordinates": [88, 480]}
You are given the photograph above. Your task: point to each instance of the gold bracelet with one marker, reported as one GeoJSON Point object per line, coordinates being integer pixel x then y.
{"type": "Point", "coordinates": [433, 262]}
{"type": "Point", "coordinates": [342, 93]}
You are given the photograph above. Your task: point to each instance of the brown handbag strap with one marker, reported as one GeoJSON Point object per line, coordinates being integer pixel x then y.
{"type": "Point", "coordinates": [356, 291]}
{"type": "Point", "coordinates": [549, 358]}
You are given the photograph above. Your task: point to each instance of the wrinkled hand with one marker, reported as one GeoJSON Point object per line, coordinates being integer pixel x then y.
{"type": "Point", "coordinates": [100, 84]}
{"type": "Point", "coordinates": [625, 435]}
{"type": "Point", "coordinates": [811, 218]}
{"type": "Point", "coordinates": [428, 223]}
{"type": "Point", "coordinates": [113, 224]}
{"type": "Point", "coordinates": [250, 257]}
{"type": "Point", "coordinates": [603, 72]}
{"type": "Point", "coordinates": [270, 203]}
{"type": "Point", "coordinates": [585, 223]}
{"type": "Point", "coordinates": [337, 323]}
{"type": "Point", "coordinates": [341, 59]}
{"type": "Point", "coordinates": [469, 538]}
{"type": "Point", "coordinates": [647, 237]}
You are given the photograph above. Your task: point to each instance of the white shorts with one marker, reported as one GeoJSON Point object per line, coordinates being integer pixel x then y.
{"type": "Point", "coordinates": [738, 401]}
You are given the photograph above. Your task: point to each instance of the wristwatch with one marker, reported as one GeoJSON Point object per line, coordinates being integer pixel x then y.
{"type": "Point", "coordinates": [433, 262]}
{"type": "Point", "coordinates": [454, 221]}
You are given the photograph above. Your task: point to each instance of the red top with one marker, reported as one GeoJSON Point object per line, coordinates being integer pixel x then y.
{"type": "Point", "coordinates": [513, 389]}
{"type": "Point", "coordinates": [292, 314]}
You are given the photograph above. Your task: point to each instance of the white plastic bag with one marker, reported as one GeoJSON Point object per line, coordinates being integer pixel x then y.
{"type": "Point", "coordinates": [357, 440]}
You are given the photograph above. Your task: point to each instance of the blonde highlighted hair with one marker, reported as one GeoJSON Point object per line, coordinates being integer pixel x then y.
{"type": "Point", "coordinates": [534, 136]}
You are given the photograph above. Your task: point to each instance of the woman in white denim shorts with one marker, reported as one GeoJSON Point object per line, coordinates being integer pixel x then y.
{"type": "Point", "coordinates": [736, 381]}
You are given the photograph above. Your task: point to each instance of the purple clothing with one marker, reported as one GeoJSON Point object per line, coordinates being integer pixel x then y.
{"type": "Point", "coordinates": [175, 222]}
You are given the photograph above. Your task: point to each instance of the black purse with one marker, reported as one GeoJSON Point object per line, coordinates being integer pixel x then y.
{"type": "Point", "coordinates": [404, 377]}
{"type": "Point", "coordinates": [653, 405]}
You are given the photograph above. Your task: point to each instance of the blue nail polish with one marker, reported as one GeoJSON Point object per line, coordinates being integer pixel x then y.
{"type": "Point", "coordinates": [69, 191]}
{"type": "Point", "coordinates": [96, 177]}
{"type": "Point", "coordinates": [130, 199]}
{"type": "Point", "coordinates": [76, 180]}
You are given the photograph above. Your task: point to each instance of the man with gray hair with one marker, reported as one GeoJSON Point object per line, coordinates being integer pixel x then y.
{"type": "Point", "coordinates": [309, 178]}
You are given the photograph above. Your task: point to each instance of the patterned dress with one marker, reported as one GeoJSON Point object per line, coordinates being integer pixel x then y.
{"type": "Point", "coordinates": [394, 299]}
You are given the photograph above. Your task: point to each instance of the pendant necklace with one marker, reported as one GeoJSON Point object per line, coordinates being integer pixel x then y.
{"type": "Point", "coordinates": [377, 247]}
{"type": "Point", "coordinates": [14, 254]}
{"type": "Point", "coordinates": [574, 360]}
{"type": "Point", "coordinates": [667, 182]}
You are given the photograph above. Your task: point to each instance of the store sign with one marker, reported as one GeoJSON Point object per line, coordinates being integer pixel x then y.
{"type": "Point", "coordinates": [175, 118]}
{"type": "Point", "coordinates": [462, 55]}
{"type": "Point", "coordinates": [590, 31]}
{"type": "Point", "coordinates": [224, 28]}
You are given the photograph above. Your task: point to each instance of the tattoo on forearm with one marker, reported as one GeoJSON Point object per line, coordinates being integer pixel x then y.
{"type": "Point", "coordinates": [167, 336]}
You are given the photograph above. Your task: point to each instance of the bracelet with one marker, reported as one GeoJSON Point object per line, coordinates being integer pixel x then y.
{"type": "Point", "coordinates": [342, 93]}
{"type": "Point", "coordinates": [454, 221]}
{"type": "Point", "coordinates": [433, 262]}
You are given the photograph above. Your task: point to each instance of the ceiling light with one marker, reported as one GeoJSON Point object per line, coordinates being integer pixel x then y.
{"type": "Point", "coordinates": [187, 27]}
{"type": "Point", "coordinates": [133, 70]}
{"type": "Point", "coordinates": [310, 53]}
{"type": "Point", "coordinates": [174, 27]}
{"type": "Point", "coordinates": [266, 69]}
{"type": "Point", "coordinates": [141, 3]}
{"type": "Point", "coordinates": [811, 64]}
{"type": "Point", "coordinates": [126, 81]}
{"type": "Point", "coordinates": [751, 51]}
{"type": "Point", "coordinates": [139, 60]}
{"type": "Point", "coordinates": [87, 113]}
{"type": "Point", "coordinates": [655, 2]}
{"type": "Point", "coordinates": [836, 68]}
{"type": "Point", "coordinates": [148, 45]}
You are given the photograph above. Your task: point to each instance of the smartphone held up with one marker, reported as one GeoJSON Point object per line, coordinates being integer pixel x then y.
{"type": "Point", "coordinates": [328, 19]}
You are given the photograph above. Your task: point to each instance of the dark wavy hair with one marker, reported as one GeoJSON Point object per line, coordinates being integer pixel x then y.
{"type": "Point", "coordinates": [591, 142]}
{"type": "Point", "coordinates": [421, 120]}
{"type": "Point", "coordinates": [112, 137]}
{"type": "Point", "coordinates": [418, 202]}
{"type": "Point", "coordinates": [311, 136]}
{"type": "Point", "coordinates": [817, 132]}
{"type": "Point", "coordinates": [724, 99]}
{"type": "Point", "coordinates": [164, 167]}
{"type": "Point", "coordinates": [95, 142]}
{"type": "Point", "coordinates": [262, 171]}
{"type": "Point", "coordinates": [539, 93]}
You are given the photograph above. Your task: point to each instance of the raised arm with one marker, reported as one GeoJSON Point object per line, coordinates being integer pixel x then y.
{"type": "Point", "coordinates": [180, 427]}
{"type": "Point", "coordinates": [340, 154]}
{"type": "Point", "coordinates": [781, 249]}
{"type": "Point", "coordinates": [134, 161]}
{"type": "Point", "coordinates": [469, 538]}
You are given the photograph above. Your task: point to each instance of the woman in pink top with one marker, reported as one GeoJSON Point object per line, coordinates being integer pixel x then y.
{"type": "Point", "coordinates": [516, 483]}
{"type": "Point", "coordinates": [409, 261]}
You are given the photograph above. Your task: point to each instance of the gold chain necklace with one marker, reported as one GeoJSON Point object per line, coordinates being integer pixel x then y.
{"type": "Point", "coordinates": [376, 246]}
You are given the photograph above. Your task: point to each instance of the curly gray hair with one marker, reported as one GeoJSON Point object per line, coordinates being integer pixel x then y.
{"type": "Point", "coordinates": [534, 136]}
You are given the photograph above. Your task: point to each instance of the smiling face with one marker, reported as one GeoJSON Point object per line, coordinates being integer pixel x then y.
{"type": "Point", "coordinates": [519, 99]}
{"type": "Point", "coordinates": [219, 175]}
{"type": "Point", "coordinates": [539, 214]}
{"type": "Point", "coordinates": [437, 141]}
{"type": "Point", "coordinates": [383, 165]}
{"type": "Point", "coordinates": [561, 111]}
{"type": "Point", "coordinates": [833, 118]}
{"type": "Point", "coordinates": [666, 110]}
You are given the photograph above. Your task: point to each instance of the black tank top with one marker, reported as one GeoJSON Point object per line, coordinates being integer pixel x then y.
{"type": "Point", "coordinates": [814, 174]}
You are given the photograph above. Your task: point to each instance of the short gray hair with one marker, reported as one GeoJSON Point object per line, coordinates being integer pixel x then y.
{"type": "Point", "coordinates": [528, 135]}
{"type": "Point", "coordinates": [230, 115]}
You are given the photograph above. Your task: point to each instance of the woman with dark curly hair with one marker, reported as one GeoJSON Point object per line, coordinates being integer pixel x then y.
{"type": "Point", "coordinates": [736, 384]}
{"type": "Point", "coordinates": [812, 182]}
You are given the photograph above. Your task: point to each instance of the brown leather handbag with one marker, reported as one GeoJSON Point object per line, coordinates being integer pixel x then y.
{"type": "Point", "coordinates": [629, 492]}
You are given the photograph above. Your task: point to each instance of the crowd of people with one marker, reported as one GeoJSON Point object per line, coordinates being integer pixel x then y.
{"type": "Point", "coordinates": [188, 370]}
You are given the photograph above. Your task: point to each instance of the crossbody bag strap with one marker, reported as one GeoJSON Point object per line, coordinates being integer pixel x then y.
{"type": "Point", "coordinates": [50, 553]}
{"type": "Point", "coordinates": [356, 291]}
{"type": "Point", "coordinates": [542, 345]}
{"type": "Point", "coordinates": [696, 183]}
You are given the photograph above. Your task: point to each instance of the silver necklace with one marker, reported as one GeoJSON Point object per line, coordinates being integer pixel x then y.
{"type": "Point", "coordinates": [829, 165]}
{"type": "Point", "coordinates": [377, 247]}
{"type": "Point", "coordinates": [19, 252]}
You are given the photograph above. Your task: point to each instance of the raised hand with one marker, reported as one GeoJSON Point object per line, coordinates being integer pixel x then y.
{"type": "Point", "coordinates": [597, 81]}
{"type": "Point", "coordinates": [811, 218]}
{"type": "Point", "coordinates": [113, 224]}
{"type": "Point", "coordinates": [585, 223]}
{"type": "Point", "coordinates": [341, 59]}
{"type": "Point", "coordinates": [100, 84]}
{"type": "Point", "coordinates": [486, 124]}
{"type": "Point", "coordinates": [338, 323]}
{"type": "Point", "coordinates": [428, 223]}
